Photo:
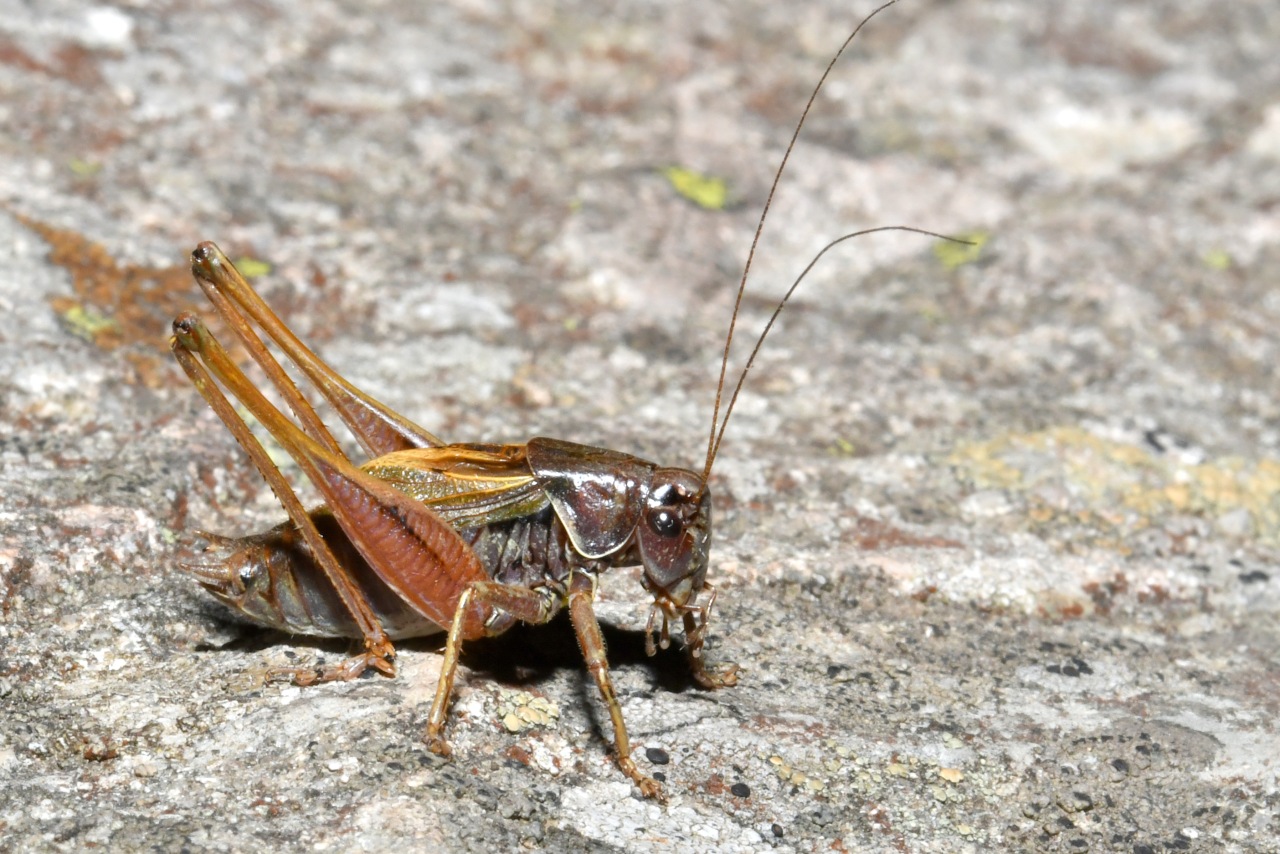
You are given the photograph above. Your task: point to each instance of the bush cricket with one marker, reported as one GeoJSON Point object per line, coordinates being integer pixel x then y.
{"type": "Point", "coordinates": [428, 537]}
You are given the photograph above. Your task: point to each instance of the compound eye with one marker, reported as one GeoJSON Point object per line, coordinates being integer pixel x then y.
{"type": "Point", "coordinates": [665, 523]}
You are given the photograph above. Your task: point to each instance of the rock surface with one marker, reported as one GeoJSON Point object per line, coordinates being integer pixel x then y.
{"type": "Point", "coordinates": [997, 531]}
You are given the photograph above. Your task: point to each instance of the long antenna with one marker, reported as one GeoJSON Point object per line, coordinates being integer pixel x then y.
{"type": "Point", "coordinates": [717, 428]}
{"type": "Point", "coordinates": [751, 360]}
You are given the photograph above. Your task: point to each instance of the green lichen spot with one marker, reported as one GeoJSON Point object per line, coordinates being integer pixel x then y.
{"type": "Point", "coordinates": [87, 322]}
{"type": "Point", "coordinates": [252, 268]}
{"type": "Point", "coordinates": [953, 254]}
{"type": "Point", "coordinates": [705, 191]}
{"type": "Point", "coordinates": [84, 168]}
{"type": "Point", "coordinates": [1217, 259]}
{"type": "Point", "coordinates": [843, 447]}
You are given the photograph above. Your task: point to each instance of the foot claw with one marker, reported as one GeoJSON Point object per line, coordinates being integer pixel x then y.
{"type": "Point", "coordinates": [723, 677]}
{"type": "Point", "coordinates": [437, 745]}
{"type": "Point", "coordinates": [726, 677]}
{"type": "Point", "coordinates": [651, 788]}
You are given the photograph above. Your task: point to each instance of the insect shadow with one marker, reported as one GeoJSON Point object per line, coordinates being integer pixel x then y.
{"type": "Point", "coordinates": [525, 656]}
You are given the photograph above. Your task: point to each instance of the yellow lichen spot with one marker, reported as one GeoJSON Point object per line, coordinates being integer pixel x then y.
{"type": "Point", "coordinates": [1217, 259]}
{"type": "Point", "coordinates": [1177, 496]}
{"type": "Point", "coordinates": [705, 191]}
{"type": "Point", "coordinates": [521, 710]}
{"type": "Point", "coordinates": [252, 268]}
{"type": "Point", "coordinates": [1120, 487]}
{"type": "Point", "coordinates": [1218, 482]}
{"type": "Point", "coordinates": [86, 322]}
{"type": "Point", "coordinates": [982, 463]}
{"type": "Point", "coordinates": [951, 775]}
{"type": "Point", "coordinates": [1040, 513]}
{"type": "Point", "coordinates": [953, 254]}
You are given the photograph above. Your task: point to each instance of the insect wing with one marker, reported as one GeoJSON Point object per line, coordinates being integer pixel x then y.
{"type": "Point", "coordinates": [598, 494]}
{"type": "Point", "coordinates": [465, 485]}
